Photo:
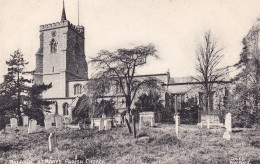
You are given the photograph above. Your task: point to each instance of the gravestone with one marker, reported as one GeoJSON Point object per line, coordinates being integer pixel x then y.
{"type": "Point", "coordinates": [226, 135]}
{"type": "Point", "coordinates": [92, 123]}
{"type": "Point", "coordinates": [177, 125]}
{"type": "Point", "coordinates": [66, 121]}
{"type": "Point", "coordinates": [25, 120]}
{"type": "Point", "coordinates": [208, 122]}
{"type": "Point", "coordinates": [118, 119]}
{"type": "Point", "coordinates": [58, 121]}
{"type": "Point", "coordinates": [104, 115]}
{"type": "Point", "coordinates": [152, 122]}
{"type": "Point", "coordinates": [81, 126]}
{"type": "Point", "coordinates": [228, 123]}
{"type": "Point", "coordinates": [52, 141]}
{"type": "Point", "coordinates": [32, 126]}
{"type": "Point", "coordinates": [101, 124]}
{"type": "Point", "coordinates": [14, 123]}
{"type": "Point", "coordinates": [107, 124]}
{"type": "Point", "coordinates": [141, 123]}
{"type": "Point", "coordinates": [175, 117]}
{"type": "Point", "coordinates": [48, 123]}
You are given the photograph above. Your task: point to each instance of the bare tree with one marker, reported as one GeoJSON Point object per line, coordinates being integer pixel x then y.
{"type": "Point", "coordinates": [209, 55]}
{"type": "Point", "coordinates": [119, 67]}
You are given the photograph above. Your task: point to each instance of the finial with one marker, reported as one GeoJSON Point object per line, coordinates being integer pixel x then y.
{"type": "Point", "coordinates": [63, 16]}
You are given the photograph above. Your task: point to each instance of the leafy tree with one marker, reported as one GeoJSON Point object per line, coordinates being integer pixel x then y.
{"type": "Point", "coordinates": [82, 110]}
{"type": "Point", "coordinates": [189, 113]}
{"type": "Point", "coordinates": [15, 82]}
{"type": "Point", "coordinates": [120, 67]}
{"type": "Point", "coordinates": [86, 109]}
{"type": "Point", "coordinates": [106, 107]}
{"type": "Point", "coordinates": [208, 58]}
{"type": "Point", "coordinates": [7, 107]}
{"type": "Point", "coordinates": [247, 87]}
{"type": "Point", "coordinates": [150, 102]}
{"type": "Point", "coordinates": [15, 91]}
{"type": "Point", "coordinates": [36, 106]}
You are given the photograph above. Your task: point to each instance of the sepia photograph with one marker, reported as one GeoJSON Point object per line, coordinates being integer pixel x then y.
{"type": "Point", "coordinates": [129, 82]}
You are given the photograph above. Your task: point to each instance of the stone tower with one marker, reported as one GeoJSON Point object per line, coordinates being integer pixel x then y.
{"type": "Point", "coordinates": [61, 56]}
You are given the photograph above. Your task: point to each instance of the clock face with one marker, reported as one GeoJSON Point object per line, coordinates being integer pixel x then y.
{"type": "Point", "coordinates": [53, 33]}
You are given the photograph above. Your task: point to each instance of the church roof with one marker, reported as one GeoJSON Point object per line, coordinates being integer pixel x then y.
{"type": "Point", "coordinates": [63, 16]}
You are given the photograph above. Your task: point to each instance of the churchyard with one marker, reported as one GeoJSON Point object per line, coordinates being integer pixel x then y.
{"type": "Point", "coordinates": [158, 144]}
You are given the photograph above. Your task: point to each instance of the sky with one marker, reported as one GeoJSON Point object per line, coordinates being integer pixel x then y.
{"type": "Point", "coordinates": [174, 27]}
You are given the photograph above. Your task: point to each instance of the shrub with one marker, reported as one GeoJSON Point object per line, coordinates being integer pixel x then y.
{"type": "Point", "coordinates": [241, 117]}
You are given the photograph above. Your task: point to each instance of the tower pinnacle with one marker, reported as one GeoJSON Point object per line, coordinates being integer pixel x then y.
{"type": "Point", "coordinates": [63, 16]}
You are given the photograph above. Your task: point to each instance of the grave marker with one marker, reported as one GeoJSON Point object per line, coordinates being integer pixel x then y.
{"type": "Point", "coordinates": [81, 126]}
{"type": "Point", "coordinates": [52, 141]}
{"type": "Point", "coordinates": [104, 115]}
{"type": "Point", "coordinates": [25, 120]}
{"type": "Point", "coordinates": [226, 135]}
{"type": "Point", "coordinates": [141, 123]}
{"type": "Point", "coordinates": [208, 123]}
{"type": "Point", "coordinates": [228, 123]}
{"type": "Point", "coordinates": [48, 123]}
{"type": "Point", "coordinates": [177, 124]}
{"type": "Point", "coordinates": [32, 126]}
{"type": "Point", "coordinates": [14, 123]}
{"type": "Point", "coordinates": [152, 122]}
{"type": "Point", "coordinates": [58, 121]}
{"type": "Point", "coordinates": [107, 124]}
{"type": "Point", "coordinates": [66, 121]}
{"type": "Point", "coordinates": [101, 124]}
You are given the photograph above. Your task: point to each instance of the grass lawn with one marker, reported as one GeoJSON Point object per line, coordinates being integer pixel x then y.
{"type": "Point", "coordinates": [154, 145]}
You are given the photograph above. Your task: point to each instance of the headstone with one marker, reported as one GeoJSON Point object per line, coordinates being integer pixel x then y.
{"type": "Point", "coordinates": [152, 122]}
{"type": "Point", "coordinates": [48, 123]}
{"type": "Point", "coordinates": [101, 124]}
{"type": "Point", "coordinates": [66, 121]}
{"type": "Point", "coordinates": [175, 117]}
{"type": "Point", "coordinates": [13, 122]}
{"type": "Point", "coordinates": [92, 123]}
{"type": "Point", "coordinates": [52, 141]}
{"type": "Point", "coordinates": [226, 135]}
{"type": "Point", "coordinates": [141, 123]}
{"type": "Point", "coordinates": [177, 125]}
{"type": "Point", "coordinates": [81, 126]}
{"type": "Point", "coordinates": [32, 126]}
{"type": "Point", "coordinates": [118, 119]}
{"type": "Point", "coordinates": [107, 124]}
{"type": "Point", "coordinates": [228, 123]}
{"type": "Point", "coordinates": [25, 120]}
{"type": "Point", "coordinates": [208, 122]}
{"type": "Point", "coordinates": [104, 115]}
{"type": "Point", "coordinates": [58, 121]}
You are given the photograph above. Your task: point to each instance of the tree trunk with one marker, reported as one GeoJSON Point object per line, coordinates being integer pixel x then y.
{"type": "Point", "coordinates": [134, 126]}
{"type": "Point", "coordinates": [128, 126]}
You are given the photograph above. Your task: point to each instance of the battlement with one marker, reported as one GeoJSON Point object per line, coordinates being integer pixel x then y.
{"type": "Point", "coordinates": [66, 23]}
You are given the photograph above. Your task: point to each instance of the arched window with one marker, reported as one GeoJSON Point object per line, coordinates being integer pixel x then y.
{"type": "Point", "coordinates": [77, 89]}
{"type": "Point", "coordinates": [65, 109]}
{"type": "Point", "coordinates": [53, 46]}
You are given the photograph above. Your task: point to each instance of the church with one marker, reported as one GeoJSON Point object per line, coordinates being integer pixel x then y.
{"type": "Point", "coordinates": [61, 61]}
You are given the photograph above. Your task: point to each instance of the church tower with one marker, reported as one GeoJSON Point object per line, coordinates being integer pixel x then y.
{"type": "Point", "coordinates": [61, 56]}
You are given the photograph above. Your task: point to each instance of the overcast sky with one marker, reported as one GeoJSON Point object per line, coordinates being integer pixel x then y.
{"type": "Point", "coordinates": [173, 26]}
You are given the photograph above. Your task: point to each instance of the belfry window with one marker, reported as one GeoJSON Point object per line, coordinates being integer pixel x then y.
{"type": "Point", "coordinates": [77, 89]}
{"type": "Point", "coordinates": [53, 46]}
